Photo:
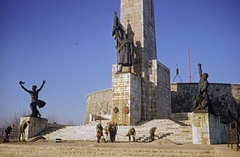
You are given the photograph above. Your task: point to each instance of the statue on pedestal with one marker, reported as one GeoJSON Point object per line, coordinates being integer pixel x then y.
{"type": "Point", "coordinates": [202, 101]}
{"type": "Point", "coordinates": [35, 101]}
{"type": "Point", "coordinates": [123, 45]}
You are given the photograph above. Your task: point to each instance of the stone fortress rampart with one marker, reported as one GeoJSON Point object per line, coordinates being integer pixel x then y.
{"type": "Point", "coordinates": [98, 105]}
{"type": "Point", "coordinates": [225, 100]}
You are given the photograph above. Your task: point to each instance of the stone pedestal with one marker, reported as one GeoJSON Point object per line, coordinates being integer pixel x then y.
{"type": "Point", "coordinates": [207, 129]}
{"type": "Point", "coordinates": [126, 98]}
{"type": "Point", "coordinates": [35, 127]}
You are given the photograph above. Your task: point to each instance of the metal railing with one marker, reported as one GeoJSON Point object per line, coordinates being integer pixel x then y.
{"type": "Point", "coordinates": [233, 135]}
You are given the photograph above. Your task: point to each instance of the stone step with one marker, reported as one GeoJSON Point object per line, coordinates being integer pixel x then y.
{"type": "Point", "coordinates": [166, 129]}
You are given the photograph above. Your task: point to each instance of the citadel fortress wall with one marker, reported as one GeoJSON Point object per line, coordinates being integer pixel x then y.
{"type": "Point", "coordinates": [225, 100]}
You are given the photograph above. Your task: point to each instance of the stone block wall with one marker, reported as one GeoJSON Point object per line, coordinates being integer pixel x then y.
{"type": "Point", "coordinates": [98, 105]}
{"type": "Point", "coordinates": [164, 93]}
{"type": "Point", "coordinates": [138, 18]}
{"type": "Point", "coordinates": [135, 100]}
{"type": "Point", "coordinates": [207, 129]}
{"type": "Point", "coordinates": [126, 96]}
{"type": "Point", "coordinates": [217, 130]}
{"type": "Point", "coordinates": [36, 126]}
{"type": "Point", "coordinates": [225, 99]}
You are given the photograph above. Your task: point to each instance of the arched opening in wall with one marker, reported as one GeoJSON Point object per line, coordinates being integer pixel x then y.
{"type": "Point", "coordinates": [238, 113]}
{"type": "Point", "coordinates": [229, 113]}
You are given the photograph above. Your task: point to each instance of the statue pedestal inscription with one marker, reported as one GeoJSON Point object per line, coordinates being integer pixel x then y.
{"type": "Point", "coordinates": [207, 129]}
{"type": "Point", "coordinates": [36, 125]}
{"type": "Point", "coordinates": [126, 98]}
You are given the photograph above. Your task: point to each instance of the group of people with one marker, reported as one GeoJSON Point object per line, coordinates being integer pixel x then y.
{"type": "Point", "coordinates": [110, 132]}
{"type": "Point", "coordinates": [21, 131]}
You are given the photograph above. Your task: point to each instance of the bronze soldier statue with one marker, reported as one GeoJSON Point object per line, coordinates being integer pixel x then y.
{"type": "Point", "coordinates": [124, 46]}
{"type": "Point", "coordinates": [35, 101]}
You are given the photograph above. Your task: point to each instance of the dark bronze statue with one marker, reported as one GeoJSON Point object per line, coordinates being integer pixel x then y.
{"type": "Point", "coordinates": [123, 45]}
{"type": "Point", "coordinates": [202, 101]}
{"type": "Point", "coordinates": [35, 101]}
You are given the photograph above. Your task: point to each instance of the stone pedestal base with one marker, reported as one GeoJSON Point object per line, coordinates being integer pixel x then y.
{"type": "Point", "coordinates": [126, 98]}
{"type": "Point", "coordinates": [35, 127]}
{"type": "Point", "coordinates": [207, 129]}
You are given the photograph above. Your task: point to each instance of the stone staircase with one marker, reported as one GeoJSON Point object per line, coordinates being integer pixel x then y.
{"type": "Point", "coordinates": [83, 132]}
{"type": "Point", "coordinates": [166, 129]}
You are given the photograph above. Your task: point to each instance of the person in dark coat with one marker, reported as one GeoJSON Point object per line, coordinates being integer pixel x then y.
{"type": "Point", "coordinates": [21, 130]}
{"type": "Point", "coordinates": [113, 131]}
{"type": "Point", "coordinates": [8, 131]}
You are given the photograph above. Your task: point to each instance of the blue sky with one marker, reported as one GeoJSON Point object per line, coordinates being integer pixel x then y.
{"type": "Point", "coordinates": [68, 43]}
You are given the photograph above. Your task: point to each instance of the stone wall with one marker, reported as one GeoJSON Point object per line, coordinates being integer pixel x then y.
{"type": "Point", "coordinates": [36, 126]}
{"type": "Point", "coordinates": [225, 99]}
{"type": "Point", "coordinates": [207, 129]}
{"type": "Point", "coordinates": [98, 105]}
{"type": "Point", "coordinates": [164, 93]}
{"type": "Point", "coordinates": [126, 99]}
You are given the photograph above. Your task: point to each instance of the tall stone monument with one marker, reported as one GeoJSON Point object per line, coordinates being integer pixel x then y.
{"type": "Point", "coordinates": [143, 92]}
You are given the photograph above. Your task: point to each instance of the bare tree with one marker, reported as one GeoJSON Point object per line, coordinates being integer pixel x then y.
{"type": "Point", "coordinates": [15, 119]}
{"type": "Point", "coordinates": [52, 118]}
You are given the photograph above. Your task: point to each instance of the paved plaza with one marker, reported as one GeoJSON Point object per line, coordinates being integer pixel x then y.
{"type": "Point", "coordinates": [161, 148]}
